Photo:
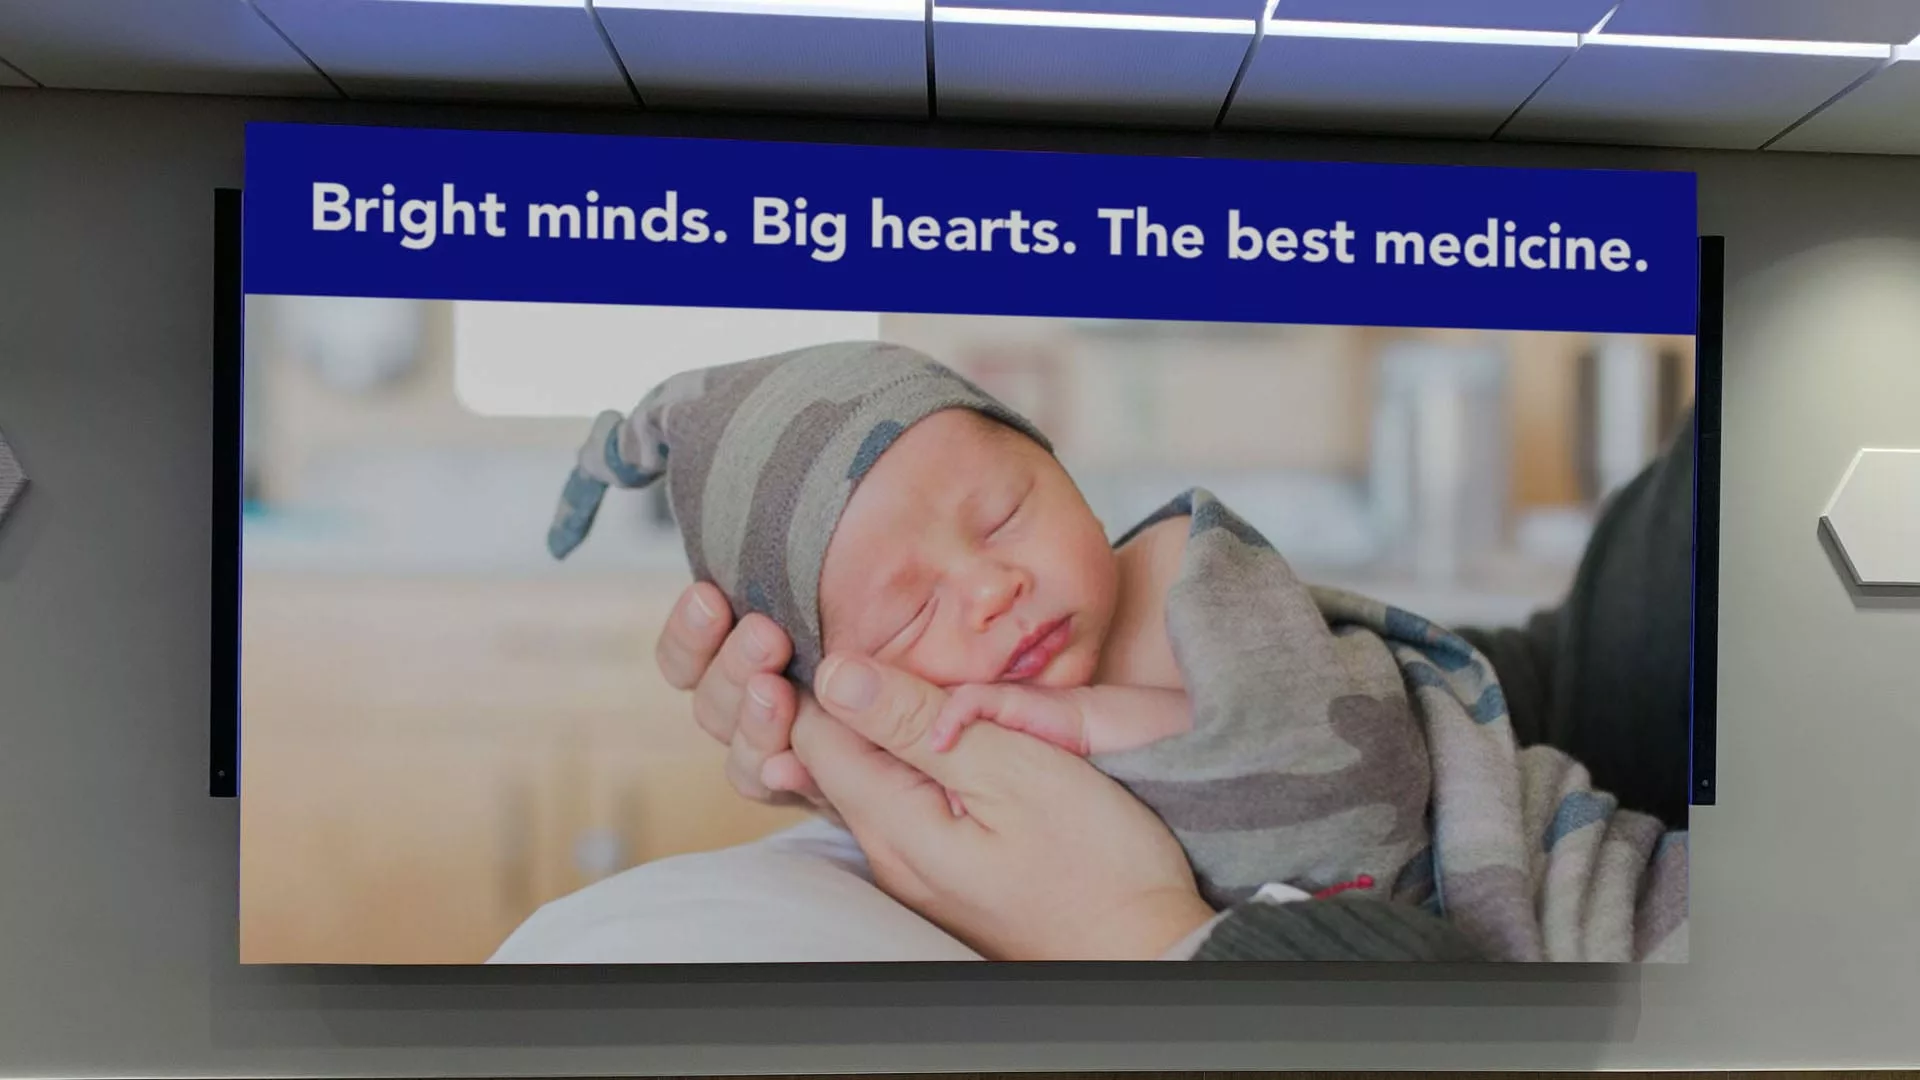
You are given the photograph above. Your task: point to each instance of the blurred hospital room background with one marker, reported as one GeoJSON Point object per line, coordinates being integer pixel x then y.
{"type": "Point", "coordinates": [443, 728]}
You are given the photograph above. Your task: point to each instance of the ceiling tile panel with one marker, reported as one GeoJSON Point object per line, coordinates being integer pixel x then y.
{"type": "Point", "coordinates": [1576, 16]}
{"type": "Point", "coordinates": [1881, 116]}
{"type": "Point", "coordinates": [1680, 97]}
{"type": "Point", "coordinates": [1388, 87]}
{"type": "Point", "coordinates": [1886, 21]}
{"type": "Point", "coordinates": [1204, 9]}
{"type": "Point", "coordinates": [1084, 75]}
{"type": "Point", "coordinates": [772, 62]}
{"type": "Point", "coordinates": [176, 46]}
{"type": "Point", "coordinates": [442, 49]}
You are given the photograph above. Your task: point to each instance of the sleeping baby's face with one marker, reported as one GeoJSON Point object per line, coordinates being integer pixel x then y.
{"type": "Point", "coordinates": [967, 555]}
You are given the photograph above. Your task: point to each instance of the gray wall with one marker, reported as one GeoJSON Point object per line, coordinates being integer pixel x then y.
{"type": "Point", "coordinates": [117, 877]}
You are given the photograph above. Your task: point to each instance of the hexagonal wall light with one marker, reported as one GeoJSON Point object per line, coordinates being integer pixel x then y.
{"type": "Point", "coordinates": [1874, 517]}
{"type": "Point", "coordinates": [13, 479]}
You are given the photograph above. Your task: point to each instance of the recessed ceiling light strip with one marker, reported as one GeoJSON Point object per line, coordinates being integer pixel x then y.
{"type": "Point", "coordinates": [1084, 20]}
{"type": "Point", "coordinates": [914, 10]}
{"type": "Point", "coordinates": [1437, 34]}
{"type": "Point", "coordinates": [1770, 46]}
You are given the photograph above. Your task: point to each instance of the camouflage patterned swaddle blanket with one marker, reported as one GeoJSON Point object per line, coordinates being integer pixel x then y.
{"type": "Point", "coordinates": [1337, 739]}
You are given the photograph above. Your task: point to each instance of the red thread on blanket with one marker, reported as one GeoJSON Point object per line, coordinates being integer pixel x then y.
{"type": "Point", "coordinates": [1364, 881]}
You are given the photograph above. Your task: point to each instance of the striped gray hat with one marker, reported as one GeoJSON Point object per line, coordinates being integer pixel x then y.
{"type": "Point", "coordinates": [760, 458]}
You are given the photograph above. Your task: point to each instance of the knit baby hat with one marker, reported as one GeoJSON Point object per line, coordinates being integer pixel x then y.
{"type": "Point", "coordinates": [760, 458]}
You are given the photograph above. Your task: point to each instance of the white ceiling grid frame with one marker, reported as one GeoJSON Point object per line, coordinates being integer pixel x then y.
{"type": "Point", "coordinates": [1720, 93]}
{"type": "Point", "coordinates": [1377, 78]}
{"type": "Point", "coordinates": [13, 76]}
{"type": "Point", "coordinates": [860, 57]}
{"type": "Point", "coordinates": [176, 46]}
{"type": "Point", "coordinates": [1076, 67]}
{"type": "Point", "coordinates": [477, 50]}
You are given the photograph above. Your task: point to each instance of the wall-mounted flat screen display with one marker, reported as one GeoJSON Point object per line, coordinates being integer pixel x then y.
{"type": "Point", "coordinates": [699, 551]}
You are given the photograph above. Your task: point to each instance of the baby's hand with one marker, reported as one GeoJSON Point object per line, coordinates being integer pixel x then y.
{"type": "Point", "coordinates": [1057, 716]}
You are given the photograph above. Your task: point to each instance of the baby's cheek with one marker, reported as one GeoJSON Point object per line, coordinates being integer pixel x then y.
{"type": "Point", "coordinates": [1072, 669]}
{"type": "Point", "coordinates": [950, 660]}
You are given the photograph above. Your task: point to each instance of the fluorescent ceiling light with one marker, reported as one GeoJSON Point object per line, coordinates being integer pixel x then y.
{"type": "Point", "coordinates": [498, 3]}
{"type": "Point", "coordinates": [826, 9]}
{"type": "Point", "coordinates": [1080, 20]}
{"type": "Point", "coordinates": [1744, 45]}
{"type": "Point", "coordinates": [1390, 32]}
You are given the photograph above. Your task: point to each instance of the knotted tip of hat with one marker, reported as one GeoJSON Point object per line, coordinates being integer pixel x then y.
{"type": "Point", "coordinates": [606, 460]}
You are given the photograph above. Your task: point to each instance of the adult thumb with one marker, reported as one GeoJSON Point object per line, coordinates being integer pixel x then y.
{"type": "Point", "coordinates": [892, 709]}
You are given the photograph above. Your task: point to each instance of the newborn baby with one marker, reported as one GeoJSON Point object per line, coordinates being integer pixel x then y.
{"type": "Point", "coordinates": [870, 501]}
{"type": "Point", "coordinates": [968, 557]}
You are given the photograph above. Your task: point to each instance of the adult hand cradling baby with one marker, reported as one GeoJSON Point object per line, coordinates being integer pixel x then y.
{"type": "Point", "coordinates": [1053, 860]}
{"type": "Point", "coordinates": [739, 695]}
{"type": "Point", "coordinates": [1268, 733]}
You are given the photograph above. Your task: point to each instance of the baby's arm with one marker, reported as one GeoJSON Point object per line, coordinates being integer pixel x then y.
{"type": "Point", "coordinates": [1085, 720]}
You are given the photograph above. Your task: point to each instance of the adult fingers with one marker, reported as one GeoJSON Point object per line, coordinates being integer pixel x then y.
{"type": "Point", "coordinates": [781, 770]}
{"type": "Point", "coordinates": [765, 721]}
{"type": "Point", "coordinates": [693, 635]}
{"type": "Point", "coordinates": [757, 646]}
{"type": "Point", "coordinates": [766, 715]}
{"type": "Point", "coordinates": [888, 707]}
{"type": "Point", "coordinates": [888, 804]}
{"type": "Point", "coordinates": [743, 772]}
{"type": "Point", "coordinates": [899, 713]}
{"type": "Point", "coordinates": [784, 773]}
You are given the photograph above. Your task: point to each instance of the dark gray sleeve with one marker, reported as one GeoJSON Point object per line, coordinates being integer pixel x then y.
{"type": "Point", "coordinates": [1337, 929]}
{"type": "Point", "coordinates": [1606, 676]}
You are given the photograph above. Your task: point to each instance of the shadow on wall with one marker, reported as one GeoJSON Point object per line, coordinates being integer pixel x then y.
{"type": "Point", "coordinates": [1584, 1009]}
{"type": "Point", "coordinates": [1865, 597]}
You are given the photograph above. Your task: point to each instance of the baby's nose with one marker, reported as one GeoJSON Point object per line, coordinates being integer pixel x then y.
{"type": "Point", "coordinates": [996, 589]}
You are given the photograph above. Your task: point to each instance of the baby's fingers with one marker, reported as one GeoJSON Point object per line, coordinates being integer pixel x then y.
{"type": "Point", "coordinates": [965, 705]}
{"type": "Point", "coordinates": [1045, 720]}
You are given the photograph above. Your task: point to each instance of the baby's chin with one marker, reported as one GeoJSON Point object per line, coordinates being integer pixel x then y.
{"type": "Point", "coordinates": [1069, 671]}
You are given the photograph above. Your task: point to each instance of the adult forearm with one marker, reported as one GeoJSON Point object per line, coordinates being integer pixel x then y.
{"type": "Point", "coordinates": [1327, 930]}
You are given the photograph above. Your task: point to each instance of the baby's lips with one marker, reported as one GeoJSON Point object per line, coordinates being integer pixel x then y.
{"type": "Point", "coordinates": [1036, 653]}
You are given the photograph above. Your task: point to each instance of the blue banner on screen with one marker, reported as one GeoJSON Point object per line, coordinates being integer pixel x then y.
{"type": "Point", "coordinates": [394, 212]}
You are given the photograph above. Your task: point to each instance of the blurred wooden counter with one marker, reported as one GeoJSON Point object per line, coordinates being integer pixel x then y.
{"type": "Point", "coordinates": [424, 763]}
